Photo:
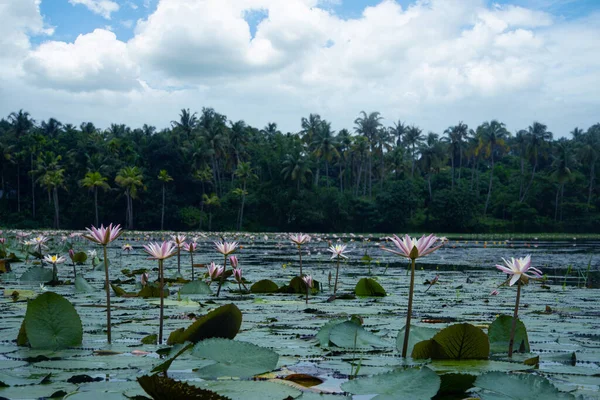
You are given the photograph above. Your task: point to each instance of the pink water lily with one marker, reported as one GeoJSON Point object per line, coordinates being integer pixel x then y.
{"type": "Point", "coordinates": [226, 248]}
{"type": "Point", "coordinates": [300, 239]}
{"type": "Point", "coordinates": [214, 271]}
{"type": "Point", "coordinates": [308, 280]}
{"type": "Point", "coordinates": [233, 260]}
{"type": "Point", "coordinates": [412, 248]}
{"type": "Point", "coordinates": [338, 250]}
{"type": "Point", "coordinates": [127, 247]}
{"type": "Point", "coordinates": [71, 254]}
{"type": "Point", "coordinates": [160, 251]}
{"type": "Point", "coordinates": [144, 278]}
{"type": "Point", "coordinates": [237, 275]}
{"type": "Point", "coordinates": [179, 240]}
{"type": "Point", "coordinates": [518, 268]}
{"type": "Point", "coordinates": [103, 235]}
{"type": "Point", "coordinates": [190, 247]}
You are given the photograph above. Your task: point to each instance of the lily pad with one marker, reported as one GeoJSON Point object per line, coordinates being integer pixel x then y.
{"type": "Point", "coordinates": [417, 334]}
{"type": "Point", "coordinates": [195, 287]}
{"type": "Point", "coordinates": [458, 342]}
{"type": "Point", "coordinates": [369, 287]}
{"type": "Point", "coordinates": [234, 359]}
{"type": "Point", "coordinates": [250, 390]}
{"type": "Point", "coordinates": [411, 383]}
{"type": "Point", "coordinates": [223, 322]}
{"type": "Point", "coordinates": [162, 387]}
{"type": "Point", "coordinates": [349, 335]}
{"type": "Point", "coordinates": [36, 274]}
{"type": "Point", "coordinates": [499, 334]}
{"type": "Point", "coordinates": [82, 286]}
{"type": "Point", "coordinates": [51, 322]}
{"type": "Point", "coordinates": [264, 286]}
{"type": "Point", "coordinates": [499, 386]}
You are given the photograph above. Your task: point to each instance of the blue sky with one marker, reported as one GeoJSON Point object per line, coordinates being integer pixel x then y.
{"type": "Point", "coordinates": [71, 20]}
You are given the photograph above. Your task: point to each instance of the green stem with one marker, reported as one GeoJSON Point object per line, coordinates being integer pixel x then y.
{"type": "Point", "coordinates": [409, 311]}
{"type": "Point", "coordinates": [222, 280]}
{"type": "Point", "coordinates": [162, 300]}
{"type": "Point", "coordinates": [300, 254]}
{"type": "Point", "coordinates": [513, 328]}
{"type": "Point", "coordinates": [337, 272]}
{"type": "Point", "coordinates": [192, 259]}
{"type": "Point", "coordinates": [307, 290]}
{"type": "Point", "coordinates": [107, 285]}
{"type": "Point", "coordinates": [179, 260]}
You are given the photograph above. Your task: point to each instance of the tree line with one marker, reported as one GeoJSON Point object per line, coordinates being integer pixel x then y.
{"type": "Point", "coordinates": [207, 172]}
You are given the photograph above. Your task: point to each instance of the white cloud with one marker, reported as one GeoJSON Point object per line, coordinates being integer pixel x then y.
{"type": "Point", "coordinates": [432, 63]}
{"type": "Point", "coordinates": [100, 7]}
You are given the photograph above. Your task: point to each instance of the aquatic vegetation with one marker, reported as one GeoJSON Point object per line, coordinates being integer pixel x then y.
{"type": "Point", "coordinates": [225, 248]}
{"type": "Point", "coordinates": [299, 240]}
{"type": "Point", "coordinates": [338, 252]}
{"type": "Point", "coordinates": [190, 247]}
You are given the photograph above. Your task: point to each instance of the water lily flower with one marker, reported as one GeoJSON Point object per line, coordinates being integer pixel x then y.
{"type": "Point", "coordinates": [103, 235]}
{"type": "Point", "coordinates": [55, 259]}
{"type": "Point", "coordinates": [237, 275]}
{"type": "Point", "coordinates": [520, 269]}
{"type": "Point", "coordinates": [127, 247]}
{"type": "Point", "coordinates": [43, 287]}
{"type": "Point", "coordinates": [2, 240]}
{"type": "Point", "coordinates": [234, 261]}
{"type": "Point", "coordinates": [190, 247]}
{"type": "Point", "coordinates": [412, 248]}
{"type": "Point", "coordinates": [308, 281]}
{"type": "Point", "coordinates": [226, 248]}
{"type": "Point", "coordinates": [71, 254]}
{"type": "Point", "coordinates": [214, 271]}
{"type": "Point", "coordinates": [338, 250]}
{"type": "Point", "coordinates": [160, 251]}
{"type": "Point", "coordinates": [144, 278]}
{"type": "Point", "coordinates": [300, 239]}
{"type": "Point", "coordinates": [39, 242]}
{"type": "Point", "coordinates": [494, 292]}
{"type": "Point", "coordinates": [92, 254]}
{"type": "Point", "coordinates": [179, 240]}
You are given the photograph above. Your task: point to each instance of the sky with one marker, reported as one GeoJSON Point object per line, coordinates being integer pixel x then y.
{"type": "Point", "coordinates": [431, 63]}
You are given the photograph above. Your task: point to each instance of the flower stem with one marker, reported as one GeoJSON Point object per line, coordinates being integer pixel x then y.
{"type": "Point", "coordinates": [162, 300]}
{"type": "Point", "coordinates": [300, 255]}
{"type": "Point", "coordinates": [108, 333]}
{"type": "Point", "coordinates": [74, 271]}
{"type": "Point", "coordinates": [222, 280]}
{"type": "Point", "coordinates": [307, 290]}
{"type": "Point", "coordinates": [513, 328]}
{"type": "Point", "coordinates": [179, 260]}
{"type": "Point", "coordinates": [337, 271]}
{"type": "Point", "coordinates": [409, 312]}
{"type": "Point", "coordinates": [192, 259]}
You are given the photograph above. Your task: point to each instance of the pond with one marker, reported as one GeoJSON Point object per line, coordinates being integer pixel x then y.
{"type": "Point", "coordinates": [561, 314]}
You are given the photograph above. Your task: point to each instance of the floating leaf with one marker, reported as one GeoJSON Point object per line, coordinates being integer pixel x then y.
{"type": "Point", "coordinates": [458, 342]}
{"type": "Point", "coordinates": [80, 257]}
{"type": "Point", "coordinates": [499, 334]}
{"type": "Point", "coordinates": [250, 390]}
{"type": "Point", "coordinates": [264, 286]}
{"type": "Point", "coordinates": [304, 380]}
{"type": "Point", "coordinates": [417, 334]}
{"type": "Point", "coordinates": [349, 335]}
{"type": "Point", "coordinates": [456, 384]}
{"type": "Point", "coordinates": [118, 291]}
{"type": "Point", "coordinates": [369, 287]}
{"type": "Point", "coordinates": [51, 322]}
{"type": "Point", "coordinates": [152, 290]}
{"type": "Point", "coordinates": [223, 322]}
{"type": "Point", "coordinates": [36, 274]}
{"type": "Point", "coordinates": [82, 286]}
{"type": "Point", "coordinates": [195, 287]}
{"type": "Point", "coordinates": [325, 331]}
{"type": "Point", "coordinates": [409, 384]}
{"type": "Point", "coordinates": [161, 387]}
{"type": "Point", "coordinates": [150, 339]}
{"type": "Point", "coordinates": [499, 386]}
{"type": "Point", "coordinates": [234, 359]}
{"type": "Point", "coordinates": [476, 367]}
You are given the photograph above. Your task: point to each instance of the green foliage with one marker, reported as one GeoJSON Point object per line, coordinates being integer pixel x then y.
{"type": "Point", "coordinates": [36, 274]}
{"type": "Point", "coordinates": [264, 286]}
{"type": "Point", "coordinates": [499, 334]}
{"type": "Point", "coordinates": [457, 342]}
{"type": "Point", "coordinates": [500, 386]}
{"type": "Point", "coordinates": [82, 286]}
{"type": "Point", "coordinates": [195, 287]}
{"type": "Point", "coordinates": [80, 257]}
{"type": "Point", "coordinates": [51, 322]}
{"type": "Point", "coordinates": [223, 322]}
{"type": "Point", "coordinates": [369, 287]}
{"type": "Point", "coordinates": [350, 335]}
{"type": "Point", "coordinates": [417, 334]}
{"type": "Point", "coordinates": [234, 359]}
{"type": "Point", "coordinates": [407, 384]}
{"type": "Point", "coordinates": [161, 387]}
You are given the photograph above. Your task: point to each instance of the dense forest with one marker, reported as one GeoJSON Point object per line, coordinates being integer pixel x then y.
{"type": "Point", "coordinates": [209, 173]}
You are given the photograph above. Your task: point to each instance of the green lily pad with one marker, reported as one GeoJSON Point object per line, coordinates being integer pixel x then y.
{"type": "Point", "coordinates": [80, 257]}
{"type": "Point", "coordinates": [416, 335]}
{"type": "Point", "coordinates": [51, 322]}
{"type": "Point", "coordinates": [36, 274]}
{"type": "Point", "coordinates": [411, 383]}
{"type": "Point", "coordinates": [458, 342]}
{"type": "Point", "coordinates": [161, 387]}
{"type": "Point", "coordinates": [264, 286]}
{"type": "Point", "coordinates": [234, 359]}
{"type": "Point", "coordinates": [499, 386]}
{"type": "Point", "coordinates": [349, 335]}
{"type": "Point", "coordinates": [369, 287]}
{"type": "Point", "coordinates": [250, 390]}
{"type": "Point", "coordinates": [82, 286]}
{"type": "Point", "coordinates": [499, 334]}
{"type": "Point", "coordinates": [223, 322]}
{"type": "Point", "coordinates": [195, 287]}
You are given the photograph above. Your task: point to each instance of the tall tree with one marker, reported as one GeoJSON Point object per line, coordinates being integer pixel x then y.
{"type": "Point", "coordinates": [94, 181]}
{"type": "Point", "coordinates": [324, 147]}
{"type": "Point", "coordinates": [368, 126]}
{"type": "Point", "coordinates": [589, 151]}
{"type": "Point", "coordinates": [413, 138]}
{"type": "Point", "coordinates": [245, 173]}
{"type": "Point", "coordinates": [163, 177]}
{"type": "Point", "coordinates": [493, 138]}
{"type": "Point", "coordinates": [296, 168]}
{"type": "Point", "coordinates": [539, 136]}
{"type": "Point", "coordinates": [561, 172]}
{"type": "Point", "coordinates": [131, 180]}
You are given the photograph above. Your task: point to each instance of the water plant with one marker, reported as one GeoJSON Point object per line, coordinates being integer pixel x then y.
{"type": "Point", "coordinates": [54, 260]}
{"type": "Point", "coordinates": [337, 251]}
{"type": "Point", "coordinates": [191, 248]}
{"type": "Point", "coordinates": [104, 236]}
{"type": "Point", "coordinates": [225, 248]}
{"type": "Point", "coordinates": [520, 272]}
{"type": "Point", "coordinates": [300, 239]}
{"type": "Point", "coordinates": [412, 249]}
{"type": "Point", "coordinates": [178, 241]}
{"type": "Point", "coordinates": [214, 272]}
{"type": "Point", "coordinates": [160, 252]}
{"type": "Point", "coordinates": [308, 281]}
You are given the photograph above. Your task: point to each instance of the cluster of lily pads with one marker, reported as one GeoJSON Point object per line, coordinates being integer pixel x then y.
{"type": "Point", "coordinates": [209, 334]}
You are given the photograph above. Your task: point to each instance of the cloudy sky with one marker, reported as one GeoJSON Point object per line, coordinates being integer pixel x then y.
{"type": "Point", "coordinates": [431, 63]}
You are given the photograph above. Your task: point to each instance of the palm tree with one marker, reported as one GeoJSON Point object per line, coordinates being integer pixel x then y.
{"type": "Point", "coordinates": [245, 173]}
{"type": "Point", "coordinates": [187, 122]}
{"type": "Point", "coordinates": [398, 130]}
{"type": "Point", "coordinates": [6, 151]}
{"type": "Point", "coordinates": [383, 139]}
{"type": "Point", "coordinates": [324, 147]}
{"type": "Point", "coordinates": [493, 136]}
{"type": "Point", "coordinates": [52, 180]}
{"type": "Point", "coordinates": [94, 181]}
{"type": "Point", "coordinates": [561, 173]}
{"type": "Point", "coordinates": [211, 202]}
{"type": "Point", "coordinates": [589, 152]}
{"type": "Point", "coordinates": [368, 126]}
{"type": "Point", "coordinates": [432, 158]}
{"type": "Point", "coordinates": [454, 140]}
{"type": "Point", "coordinates": [296, 168]}
{"type": "Point", "coordinates": [164, 177]}
{"type": "Point", "coordinates": [310, 126]}
{"type": "Point", "coordinates": [413, 138]}
{"type": "Point", "coordinates": [521, 145]}
{"type": "Point", "coordinates": [21, 124]}
{"type": "Point", "coordinates": [360, 148]}
{"type": "Point", "coordinates": [538, 141]}
{"type": "Point", "coordinates": [131, 180]}
{"type": "Point", "coordinates": [51, 128]}
{"type": "Point", "coordinates": [343, 145]}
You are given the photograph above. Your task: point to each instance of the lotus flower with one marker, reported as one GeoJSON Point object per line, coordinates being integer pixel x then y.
{"type": "Point", "coordinates": [103, 235]}
{"type": "Point", "coordinates": [127, 247]}
{"type": "Point", "coordinates": [518, 268]}
{"type": "Point", "coordinates": [300, 239]}
{"type": "Point", "coordinates": [237, 275]}
{"type": "Point", "coordinates": [234, 261]}
{"type": "Point", "coordinates": [338, 250]}
{"type": "Point", "coordinates": [413, 248]}
{"type": "Point", "coordinates": [494, 292]}
{"type": "Point", "coordinates": [214, 271]}
{"type": "Point", "coordinates": [308, 280]}
{"type": "Point", "coordinates": [226, 248]}
{"type": "Point", "coordinates": [190, 247]}
{"type": "Point", "coordinates": [179, 240]}
{"type": "Point", "coordinates": [55, 259]}
{"type": "Point", "coordinates": [158, 251]}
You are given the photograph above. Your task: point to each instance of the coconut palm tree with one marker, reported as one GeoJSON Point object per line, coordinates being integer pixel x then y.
{"type": "Point", "coordinates": [432, 158]}
{"type": "Point", "coordinates": [398, 130]}
{"type": "Point", "coordinates": [296, 168]}
{"type": "Point", "coordinates": [539, 137]}
{"type": "Point", "coordinates": [368, 126]}
{"type": "Point", "coordinates": [187, 122]}
{"type": "Point", "coordinates": [131, 180]}
{"type": "Point", "coordinates": [94, 181]}
{"type": "Point", "coordinates": [324, 145]}
{"type": "Point", "coordinates": [164, 177]}
{"type": "Point", "coordinates": [493, 138]}
{"type": "Point", "coordinates": [211, 203]}
{"type": "Point", "coordinates": [520, 141]}
{"type": "Point", "coordinates": [588, 152]}
{"type": "Point", "coordinates": [245, 173]}
{"type": "Point", "coordinates": [561, 173]}
{"type": "Point", "coordinates": [412, 139]}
